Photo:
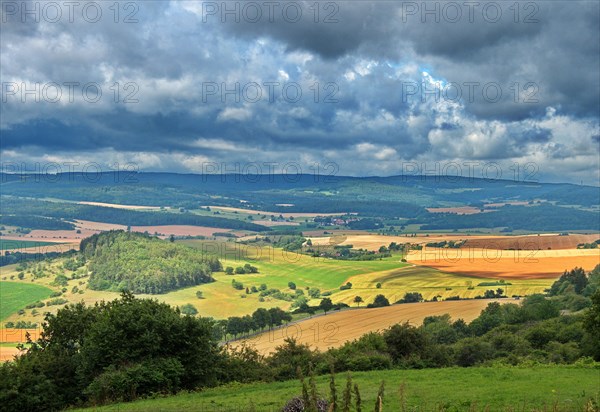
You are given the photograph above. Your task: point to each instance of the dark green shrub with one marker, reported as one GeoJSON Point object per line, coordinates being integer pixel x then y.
{"type": "Point", "coordinates": [471, 351]}
{"type": "Point", "coordinates": [129, 382]}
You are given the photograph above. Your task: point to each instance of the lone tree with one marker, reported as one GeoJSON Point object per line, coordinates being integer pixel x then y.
{"type": "Point", "coordinates": [326, 305]}
{"type": "Point", "coordinates": [379, 302]}
{"type": "Point", "coordinates": [189, 309]}
{"type": "Point", "coordinates": [358, 300]}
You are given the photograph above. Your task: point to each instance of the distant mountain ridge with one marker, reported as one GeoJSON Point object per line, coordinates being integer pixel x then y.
{"type": "Point", "coordinates": [557, 205]}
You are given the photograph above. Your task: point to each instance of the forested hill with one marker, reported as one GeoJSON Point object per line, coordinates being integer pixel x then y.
{"type": "Point", "coordinates": [30, 212]}
{"type": "Point", "coordinates": [305, 192]}
{"type": "Point", "coordinates": [565, 206]}
{"type": "Point", "coordinates": [140, 263]}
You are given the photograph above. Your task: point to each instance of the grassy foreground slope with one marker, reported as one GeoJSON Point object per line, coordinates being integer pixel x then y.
{"type": "Point", "coordinates": [557, 388]}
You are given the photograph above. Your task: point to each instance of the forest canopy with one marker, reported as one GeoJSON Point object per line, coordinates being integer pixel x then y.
{"type": "Point", "coordinates": [141, 263]}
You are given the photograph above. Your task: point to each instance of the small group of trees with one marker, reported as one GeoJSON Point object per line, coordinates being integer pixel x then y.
{"type": "Point", "coordinates": [411, 297]}
{"type": "Point", "coordinates": [314, 293]}
{"type": "Point", "coordinates": [492, 294]}
{"type": "Point", "coordinates": [258, 321]}
{"type": "Point", "coordinates": [379, 302]}
{"type": "Point", "coordinates": [241, 270]}
{"type": "Point", "coordinates": [237, 285]}
{"type": "Point", "coordinates": [347, 286]}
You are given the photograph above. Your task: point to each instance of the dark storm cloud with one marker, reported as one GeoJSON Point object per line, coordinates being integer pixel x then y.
{"type": "Point", "coordinates": [554, 45]}
{"type": "Point", "coordinates": [353, 71]}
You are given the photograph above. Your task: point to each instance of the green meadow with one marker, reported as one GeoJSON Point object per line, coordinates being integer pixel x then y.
{"type": "Point", "coordinates": [537, 388]}
{"type": "Point", "coordinates": [16, 295]}
{"type": "Point", "coordinates": [6, 244]}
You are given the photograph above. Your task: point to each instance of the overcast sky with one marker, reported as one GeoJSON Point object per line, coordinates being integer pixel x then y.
{"type": "Point", "coordinates": [376, 88]}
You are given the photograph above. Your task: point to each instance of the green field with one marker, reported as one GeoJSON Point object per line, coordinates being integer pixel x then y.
{"type": "Point", "coordinates": [277, 268]}
{"type": "Point", "coordinates": [552, 388]}
{"type": "Point", "coordinates": [15, 296]}
{"type": "Point", "coordinates": [431, 282]}
{"type": "Point", "coordinates": [22, 244]}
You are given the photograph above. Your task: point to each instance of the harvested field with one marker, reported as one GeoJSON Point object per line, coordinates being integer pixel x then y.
{"type": "Point", "coordinates": [431, 283]}
{"type": "Point", "coordinates": [118, 206]}
{"type": "Point", "coordinates": [7, 353]}
{"type": "Point", "coordinates": [488, 263]}
{"type": "Point", "coordinates": [51, 236]}
{"type": "Point", "coordinates": [86, 227]}
{"type": "Point", "coordinates": [97, 226]}
{"type": "Point", "coordinates": [89, 228]}
{"type": "Point", "coordinates": [525, 242]}
{"type": "Point", "coordinates": [374, 242]}
{"type": "Point", "coordinates": [495, 205]}
{"type": "Point", "coordinates": [18, 335]}
{"type": "Point", "coordinates": [333, 330]}
{"type": "Point", "coordinates": [262, 212]}
{"type": "Point", "coordinates": [531, 242]}
{"type": "Point", "coordinates": [179, 230]}
{"type": "Point", "coordinates": [270, 223]}
{"type": "Point", "coordinates": [54, 247]}
{"type": "Point", "coordinates": [336, 232]}
{"type": "Point", "coordinates": [462, 210]}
